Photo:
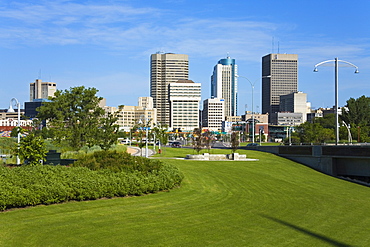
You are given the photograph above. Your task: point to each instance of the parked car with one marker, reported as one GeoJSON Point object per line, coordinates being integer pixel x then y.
{"type": "Point", "coordinates": [176, 144]}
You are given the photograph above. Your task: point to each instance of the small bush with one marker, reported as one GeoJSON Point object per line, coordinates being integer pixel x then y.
{"type": "Point", "coordinates": [118, 162]}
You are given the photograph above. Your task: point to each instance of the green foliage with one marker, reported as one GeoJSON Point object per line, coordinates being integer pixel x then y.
{"type": "Point", "coordinates": [314, 133]}
{"type": "Point", "coordinates": [6, 143]}
{"type": "Point", "coordinates": [357, 115]}
{"type": "Point", "coordinates": [328, 121]}
{"type": "Point", "coordinates": [76, 120]}
{"type": "Point", "coordinates": [161, 134]}
{"type": "Point", "coordinates": [107, 133]}
{"type": "Point", "coordinates": [15, 131]}
{"type": "Point", "coordinates": [33, 185]}
{"type": "Point", "coordinates": [118, 162]}
{"type": "Point", "coordinates": [32, 149]}
{"type": "Point", "coordinates": [357, 111]}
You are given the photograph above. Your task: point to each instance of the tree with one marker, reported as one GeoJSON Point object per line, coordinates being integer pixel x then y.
{"type": "Point", "coordinates": [357, 111]}
{"type": "Point", "coordinates": [77, 120]}
{"type": "Point", "coordinates": [15, 131]}
{"type": "Point", "coordinates": [207, 139]}
{"type": "Point", "coordinates": [32, 149]}
{"type": "Point", "coordinates": [197, 140]}
{"type": "Point", "coordinates": [108, 131]}
{"type": "Point", "coordinates": [314, 133]}
{"type": "Point", "coordinates": [160, 132]}
{"type": "Point", "coordinates": [234, 140]}
{"type": "Point", "coordinates": [328, 121]}
{"type": "Point", "coordinates": [357, 115]}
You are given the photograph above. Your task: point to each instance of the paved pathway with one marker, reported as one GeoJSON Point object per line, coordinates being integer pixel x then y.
{"type": "Point", "coordinates": [135, 151]}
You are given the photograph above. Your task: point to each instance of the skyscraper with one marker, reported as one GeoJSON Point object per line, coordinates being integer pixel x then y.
{"type": "Point", "coordinates": [224, 84]}
{"type": "Point", "coordinates": [42, 90]}
{"type": "Point", "coordinates": [213, 114]}
{"type": "Point", "coordinates": [165, 69]}
{"type": "Point", "coordinates": [184, 96]}
{"type": "Point", "coordinates": [279, 77]}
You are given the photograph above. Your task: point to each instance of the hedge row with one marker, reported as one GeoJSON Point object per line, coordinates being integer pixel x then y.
{"type": "Point", "coordinates": [118, 162]}
{"type": "Point", "coordinates": [29, 186]}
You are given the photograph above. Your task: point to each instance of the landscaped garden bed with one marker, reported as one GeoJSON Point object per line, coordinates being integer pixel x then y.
{"type": "Point", "coordinates": [103, 174]}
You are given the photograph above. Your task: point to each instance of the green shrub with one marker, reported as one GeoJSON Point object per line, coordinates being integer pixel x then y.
{"type": "Point", "coordinates": [33, 185]}
{"type": "Point", "coordinates": [118, 162]}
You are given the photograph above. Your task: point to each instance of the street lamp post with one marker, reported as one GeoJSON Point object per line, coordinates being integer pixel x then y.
{"type": "Point", "coordinates": [336, 65]}
{"type": "Point", "coordinates": [18, 124]}
{"type": "Point", "coordinates": [146, 133]}
{"type": "Point", "coordinates": [252, 85]}
{"type": "Point", "coordinates": [349, 132]}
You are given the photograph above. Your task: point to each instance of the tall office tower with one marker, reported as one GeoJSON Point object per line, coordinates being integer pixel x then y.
{"type": "Point", "coordinates": [146, 102]}
{"type": "Point", "coordinates": [213, 114]}
{"type": "Point", "coordinates": [279, 77]}
{"type": "Point", "coordinates": [184, 96]}
{"type": "Point", "coordinates": [224, 84]}
{"type": "Point", "coordinates": [42, 90]}
{"type": "Point", "coordinates": [165, 69]}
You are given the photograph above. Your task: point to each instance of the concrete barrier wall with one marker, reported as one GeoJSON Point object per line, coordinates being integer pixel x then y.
{"type": "Point", "coordinates": [332, 160]}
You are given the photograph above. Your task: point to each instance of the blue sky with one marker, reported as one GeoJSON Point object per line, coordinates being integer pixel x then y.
{"type": "Point", "coordinates": [107, 44]}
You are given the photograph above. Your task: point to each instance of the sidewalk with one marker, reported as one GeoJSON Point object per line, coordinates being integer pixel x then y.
{"type": "Point", "coordinates": [135, 151]}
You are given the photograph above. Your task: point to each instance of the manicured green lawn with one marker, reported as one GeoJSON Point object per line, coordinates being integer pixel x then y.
{"type": "Point", "coordinates": [271, 202]}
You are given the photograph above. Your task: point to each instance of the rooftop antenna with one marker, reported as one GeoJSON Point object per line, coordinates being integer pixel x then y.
{"type": "Point", "coordinates": [278, 47]}
{"type": "Point", "coordinates": [39, 75]}
{"type": "Point", "coordinates": [272, 46]}
{"type": "Point", "coordinates": [227, 55]}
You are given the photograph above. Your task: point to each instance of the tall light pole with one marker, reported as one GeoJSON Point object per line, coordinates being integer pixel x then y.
{"type": "Point", "coordinates": [336, 65]}
{"type": "Point", "coordinates": [252, 85]}
{"type": "Point", "coordinates": [19, 122]}
{"type": "Point", "coordinates": [147, 135]}
{"type": "Point", "coordinates": [349, 132]}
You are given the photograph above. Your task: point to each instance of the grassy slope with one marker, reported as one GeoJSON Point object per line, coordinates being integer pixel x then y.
{"type": "Point", "coordinates": [272, 202]}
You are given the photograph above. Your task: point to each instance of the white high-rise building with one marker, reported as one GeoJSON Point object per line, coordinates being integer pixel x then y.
{"type": "Point", "coordinates": [224, 84]}
{"type": "Point", "coordinates": [165, 69]}
{"type": "Point", "coordinates": [213, 114]}
{"type": "Point", "coordinates": [42, 90]}
{"type": "Point", "coordinates": [184, 96]}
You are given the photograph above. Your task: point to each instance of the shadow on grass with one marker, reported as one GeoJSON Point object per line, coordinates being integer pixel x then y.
{"type": "Point", "coordinates": [310, 233]}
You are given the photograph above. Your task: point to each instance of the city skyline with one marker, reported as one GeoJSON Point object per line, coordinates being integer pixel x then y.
{"type": "Point", "coordinates": [107, 45]}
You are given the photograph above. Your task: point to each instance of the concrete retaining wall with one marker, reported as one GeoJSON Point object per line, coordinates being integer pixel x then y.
{"type": "Point", "coordinates": [332, 160]}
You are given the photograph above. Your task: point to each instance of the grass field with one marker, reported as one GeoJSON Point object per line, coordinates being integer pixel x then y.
{"type": "Point", "coordinates": [270, 202]}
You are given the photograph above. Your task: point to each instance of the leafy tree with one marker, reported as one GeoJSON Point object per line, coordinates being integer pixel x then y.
{"type": "Point", "coordinates": [357, 115]}
{"type": "Point", "coordinates": [234, 140]}
{"type": "Point", "coordinates": [328, 121]}
{"type": "Point", "coordinates": [77, 120]}
{"type": "Point", "coordinates": [15, 131]}
{"type": "Point", "coordinates": [207, 139]}
{"type": "Point", "coordinates": [357, 111]}
{"type": "Point", "coordinates": [141, 133]}
{"type": "Point", "coordinates": [161, 134]}
{"type": "Point", "coordinates": [314, 133]}
{"type": "Point", "coordinates": [108, 132]}
{"type": "Point", "coordinates": [32, 149]}
{"type": "Point", "coordinates": [197, 140]}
